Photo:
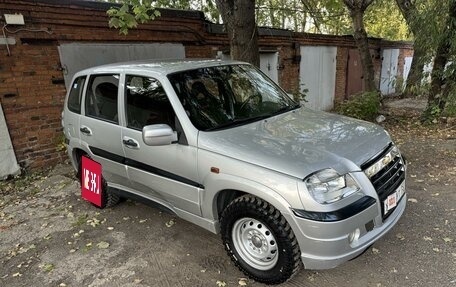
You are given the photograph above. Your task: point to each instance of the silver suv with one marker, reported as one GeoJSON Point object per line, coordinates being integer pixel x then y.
{"type": "Point", "coordinates": [220, 145]}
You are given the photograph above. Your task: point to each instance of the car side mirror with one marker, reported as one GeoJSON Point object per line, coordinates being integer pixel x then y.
{"type": "Point", "coordinates": [160, 134]}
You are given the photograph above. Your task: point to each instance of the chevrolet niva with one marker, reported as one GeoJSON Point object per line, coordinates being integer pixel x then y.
{"type": "Point", "coordinates": [221, 145]}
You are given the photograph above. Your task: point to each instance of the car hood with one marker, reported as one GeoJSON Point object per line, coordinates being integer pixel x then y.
{"type": "Point", "coordinates": [300, 142]}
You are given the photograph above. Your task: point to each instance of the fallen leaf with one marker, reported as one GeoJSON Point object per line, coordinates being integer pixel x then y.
{"type": "Point", "coordinates": [17, 274]}
{"type": "Point", "coordinates": [427, 238]}
{"type": "Point", "coordinates": [170, 223]}
{"type": "Point", "coordinates": [48, 267]}
{"type": "Point", "coordinates": [400, 236]}
{"type": "Point", "coordinates": [203, 270]}
{"type": "Point", "coordinates": [412, 200]}
{"type": "Point", "coordinates": [436, 249]}
{"type": "Point", "coordinates": [93, 222]}
{"type": "Point", "coordinates": [110, 228]}
{"type": "Point", "coordinates": [137, 281]}
{"type": "Point", "coordinates": [375, 250]}
{"type": "Point", "coordinates": [447, 239]}
{"type": "Point", "coordinates": [142, 220]}
{"type": "Point", "coordinates": [220, 283]}
{"type": "Point", "coordinates": [103, 245]}
{"type": "Point", "coordinates": [242, 282]}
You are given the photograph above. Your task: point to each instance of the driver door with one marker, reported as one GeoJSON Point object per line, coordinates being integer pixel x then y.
{"type": "Point", "coordinates": [168, 172]}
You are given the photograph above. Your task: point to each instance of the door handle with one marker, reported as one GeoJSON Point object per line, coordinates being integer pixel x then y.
{"type": "Point", "coordinates": [85, 130]}
{"type": "Point", "coordinates": [131, 143]}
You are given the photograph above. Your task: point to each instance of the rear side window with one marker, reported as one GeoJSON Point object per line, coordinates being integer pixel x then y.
{"type": "Point", "coordinates": [75, 96]}
{"type": "Point", "coordinates": [101, 98]}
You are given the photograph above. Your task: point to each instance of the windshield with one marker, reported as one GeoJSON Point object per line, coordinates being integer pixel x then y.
{"type": "Point", "coordinates": [225, 96]}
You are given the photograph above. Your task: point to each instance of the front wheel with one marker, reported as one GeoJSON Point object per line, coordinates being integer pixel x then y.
{"type": "Point", "coordinates": [259, 240]}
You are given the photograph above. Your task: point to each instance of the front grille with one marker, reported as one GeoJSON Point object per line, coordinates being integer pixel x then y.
{"type": "Point", "coordinates": [387, 180]}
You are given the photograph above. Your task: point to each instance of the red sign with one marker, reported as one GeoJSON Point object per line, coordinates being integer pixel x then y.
{"type": "Point", "coordinates": [91, 181]}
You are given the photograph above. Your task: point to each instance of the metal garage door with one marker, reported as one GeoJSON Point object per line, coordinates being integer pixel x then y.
{"type": "Point", "coordinates": [269, 64]}
{"type": "Point", "coordinates": [78, 56]}
{"type": "Point", "coordinates": [8, 163]}
{"type": "Point", "coordinates": [318, 74]}
{"type": "Point", "coordinates": [389, 71]}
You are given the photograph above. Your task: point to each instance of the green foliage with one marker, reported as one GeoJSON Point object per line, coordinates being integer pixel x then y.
{"type": "Point", "coordinates": [363, 106]}
{"type": "Point", "coordinates": [383, 19]}
{"type": "Point", "coordinates": [60, 142]}
{"type": "Point", "coordinates": [130, 14]}
{"type": "Point", "coordinates": [431, 114]}
{"type": "Point", "coordinates": [300, 94]}
{"type": "Point", "coordinates": [450, 109]}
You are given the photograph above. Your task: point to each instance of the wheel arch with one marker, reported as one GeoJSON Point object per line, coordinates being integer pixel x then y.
{"type": "Point", "coordinates": [217, 201]}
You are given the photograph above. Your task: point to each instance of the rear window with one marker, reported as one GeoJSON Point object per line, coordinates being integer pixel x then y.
{"type": "Point", "coordinates": [101, 97]}
{"type": "Point", "coordinates": [75, 96]}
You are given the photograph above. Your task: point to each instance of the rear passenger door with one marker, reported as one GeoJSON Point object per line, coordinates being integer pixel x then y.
{"type": "Point", "coordinates": [169, 172]}
{"type": "Point", "coordinates": [99, 129]}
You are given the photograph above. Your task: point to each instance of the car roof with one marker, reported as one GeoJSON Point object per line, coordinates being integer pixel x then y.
{"type": "Point", "coordinates": [163, 66]}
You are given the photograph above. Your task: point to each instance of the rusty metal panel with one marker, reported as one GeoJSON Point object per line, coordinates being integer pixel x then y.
{"type": "Point", "coordinates": [355, 82]}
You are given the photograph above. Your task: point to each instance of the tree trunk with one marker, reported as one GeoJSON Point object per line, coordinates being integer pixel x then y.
{"type": "Point", "coordinates": [416, 72]}
{"type": "Point", "coordinates": [239, 19]}
{"type": "Point", "coordinates": [357, 9]}
{"type": "Point", "coordinates": [409, 12]}
{"type": "Point", "coordinates": [437, 95]}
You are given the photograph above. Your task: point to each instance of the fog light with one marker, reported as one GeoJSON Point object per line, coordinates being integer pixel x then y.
{"type": "Point", "coordinates": [354, 235]}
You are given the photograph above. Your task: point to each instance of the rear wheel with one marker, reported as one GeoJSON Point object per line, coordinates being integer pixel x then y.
{"type": "Point", "coordinates": [108, 198]}
{"type": "Point", "coordinates": [259, 240]}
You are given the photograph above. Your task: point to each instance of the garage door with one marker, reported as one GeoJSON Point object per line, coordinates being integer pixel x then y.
{"type": "Point", "coordinates": [318, 74]}
{"type": "Point", "coordinates": [78, 56]}
{"type": "Point", "coordinates": [389, 71]}
{"type": "Point", "coordinates": [269, 64]}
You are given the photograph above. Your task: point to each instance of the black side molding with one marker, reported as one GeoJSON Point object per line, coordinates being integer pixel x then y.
{"type": "Point", "coordinates": [143, 166]}
{"type": "Point", "coordinates": [337, 215]}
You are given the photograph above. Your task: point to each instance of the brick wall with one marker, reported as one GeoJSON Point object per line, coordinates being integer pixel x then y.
{"type": "Point", "coordinates": [341, 74]}
{"type": "Point", "coordinates": [31, 80]}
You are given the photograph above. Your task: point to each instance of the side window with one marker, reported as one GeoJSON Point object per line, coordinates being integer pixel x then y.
{"type": "Point", "coordinates": [101, 98]}
{"type": "Point", "coordinates": [147, 103]}
{"type": "Point", "coordinates": [75, 96]}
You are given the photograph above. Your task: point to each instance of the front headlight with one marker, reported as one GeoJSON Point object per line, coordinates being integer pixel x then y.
{"type": "Point", "coordinates": [327, 186]}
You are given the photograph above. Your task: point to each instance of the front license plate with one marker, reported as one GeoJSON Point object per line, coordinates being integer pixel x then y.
{"type": "Point", "coordinates": [392, 200]}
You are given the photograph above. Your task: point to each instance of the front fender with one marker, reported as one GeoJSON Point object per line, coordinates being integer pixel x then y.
{"type": "Point", "coordinates": [216, 183]}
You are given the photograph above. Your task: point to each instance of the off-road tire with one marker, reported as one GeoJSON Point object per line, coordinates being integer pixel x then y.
{"type": "Point", "coordinates": [289, 255]}
{"type": "Point", "coordinates": [108, 198]}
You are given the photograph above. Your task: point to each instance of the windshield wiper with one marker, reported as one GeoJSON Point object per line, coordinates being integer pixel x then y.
{"type": "Point", "coordinates": [238, 122]}
{"type": "Point", "coordinates": [285, 109]}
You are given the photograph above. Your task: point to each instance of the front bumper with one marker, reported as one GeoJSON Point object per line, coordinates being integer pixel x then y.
{"type": "Point", "coordinates": [326, 245]}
